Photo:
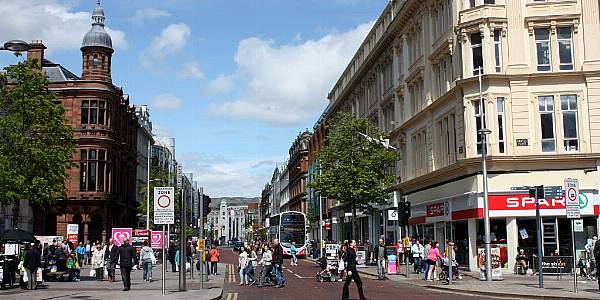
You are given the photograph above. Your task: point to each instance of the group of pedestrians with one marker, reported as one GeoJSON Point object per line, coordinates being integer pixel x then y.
{"type": "Point", "coordinates": [271, 262]}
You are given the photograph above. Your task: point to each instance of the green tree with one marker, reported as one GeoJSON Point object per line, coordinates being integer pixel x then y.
{"type": "Point", "coordinates": [312, 217]}
{"type": "Point", "coordinates": [36, 141]}
{"type": "Point", "coordinates": [355, 165]}
{"type": "Point", "coordinates": [158, 177]}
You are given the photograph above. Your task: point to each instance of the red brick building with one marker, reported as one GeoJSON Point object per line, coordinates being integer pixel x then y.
{"type": "Point", "coordinates": [298, 169]}
{"type": "Point", "coordinates": [101, 190]}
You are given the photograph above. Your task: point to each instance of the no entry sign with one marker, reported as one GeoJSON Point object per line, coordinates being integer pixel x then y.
{"type": "Point", "coordinates": [164, 205]}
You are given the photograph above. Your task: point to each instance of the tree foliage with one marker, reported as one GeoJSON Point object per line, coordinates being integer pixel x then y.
{"type": "Point", "coordinates": [355, 170]}
{"type": "Point", "coordinates": [36, 141]}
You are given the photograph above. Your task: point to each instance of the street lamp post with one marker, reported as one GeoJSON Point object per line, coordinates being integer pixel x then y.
{"type": "Point", "coordinates": [148, 188]}
{"type": "Point", "coordinates": [486, 210]}
{"type": "Point", "coordinates": [15, 46]}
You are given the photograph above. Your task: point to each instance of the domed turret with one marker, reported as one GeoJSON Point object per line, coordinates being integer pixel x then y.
{"type": "Point", "coordinates": [97, 36]}
{"type": "Point", "coordinates": [96, 49]}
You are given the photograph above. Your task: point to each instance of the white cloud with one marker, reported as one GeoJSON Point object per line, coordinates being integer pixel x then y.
{"type": "Point", "coordinates": [146, 14]}
{"type": "Point", "coordinates": [171, 39]}
{"type": "Point", "coordinates": [191, 71]}
{"type": "Point", "coordinates": [222, 83]}
{"type": "Point", "coordinates": [166, 102]}
{"type": "Point", "coordinates": [55, 23]}
{"type": "Point", "coordinates": [288, 84]}
{"type": "Point", "coordinates": [228, 176]}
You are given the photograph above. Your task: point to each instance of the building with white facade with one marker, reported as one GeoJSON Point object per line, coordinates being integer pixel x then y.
{"type": "Point", "coordinates": [416, 76]}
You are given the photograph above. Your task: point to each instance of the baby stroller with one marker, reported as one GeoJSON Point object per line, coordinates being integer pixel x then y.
{"type": "Point", "coordinates": [329, 270]}
{"type": "Point", "coordinates": [445, 270]}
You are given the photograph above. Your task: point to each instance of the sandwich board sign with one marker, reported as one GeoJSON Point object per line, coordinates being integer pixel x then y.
{"type": "Point", "coordinates": [164, 205]}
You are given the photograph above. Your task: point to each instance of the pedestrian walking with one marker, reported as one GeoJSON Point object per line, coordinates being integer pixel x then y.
{"type": "Point", "coordinates": [147, 259]}
{"type": "Point", "coordinates": [293, 252]}
{"type": "Point", "coordinates": [74, 269]}
{"type": "Point", "coordinates": [597, 258]}
{"type": "Point", "coordinates": [425, 262]}
{"type": "Point", "coordinates": [98, 261]}
{"type": "Point", "coordinates": [589, 247]}
{"type": "Point", "coordinates": [171, 255]}
{"type": "Point", "coordinates": [88, 253]}
{"type": "Point", "coordinates": [252, 263]}
{"type": "Point", "coordinates": [32, 261]}
{"type": "Point", "coordinates": [381, 259]}
{"type": "Point", "coordinates": [352, 273]}
{"type": "Point", "coordinates": [369, 250]}
{"type": "Point", "coordinates": [243, 265]}
{"type": "Point", "coordinates": [80, 250]}
{"type": "Point", "coordinates": [110, 257]}
{"type": "Point", "coordinates": [278, 263]}
{"type": "Point", "coordinates": [125, 257]}
{"type": "Point", "coordinates": [432, 257]}
{"type": "Point", "coordinates": [417, 253]}
{"type": "Point", "coordinates": [265, 262]}
{"type": "Point", "coordinates": [214, 257]}
{"type": "Point", "coordinates": [400, 252]}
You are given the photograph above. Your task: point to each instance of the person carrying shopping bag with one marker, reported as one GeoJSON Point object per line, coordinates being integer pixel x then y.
{"type": "Point", "coordinates": [243, 265]}
{"type": "Point", "coordinates": [148, 259]}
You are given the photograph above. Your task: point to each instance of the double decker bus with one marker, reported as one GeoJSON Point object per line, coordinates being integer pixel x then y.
{"type": "Point", "coordinates": [289, 227]}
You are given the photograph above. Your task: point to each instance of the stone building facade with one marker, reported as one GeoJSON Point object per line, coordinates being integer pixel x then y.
{"type": "Point", "coordinates": [298, 169]}
{"type": "Point", "coordinates": [101, 192]}
{"type": "Point", "coordinates": [432, 73]}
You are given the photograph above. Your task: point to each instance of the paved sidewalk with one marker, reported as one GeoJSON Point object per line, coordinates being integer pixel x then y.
{"type": "Point", "coordinates": [90, 289]}
{"type": "Point", "coordinates": [513, 286]}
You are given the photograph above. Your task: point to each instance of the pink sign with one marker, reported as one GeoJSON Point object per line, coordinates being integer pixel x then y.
{"type": "Point", "coordinates": [156, 239]}
{"type": "Point", "coordinates": [119, 234]}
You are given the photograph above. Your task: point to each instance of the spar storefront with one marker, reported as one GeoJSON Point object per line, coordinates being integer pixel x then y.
{"type": "Point", "coordinates": [459, 217]}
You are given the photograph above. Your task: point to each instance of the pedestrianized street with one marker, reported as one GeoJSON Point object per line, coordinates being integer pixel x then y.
{"type": "Point", "coordinates": [435, 149]}
{"type": "Point", "coordinates": [300, 283]}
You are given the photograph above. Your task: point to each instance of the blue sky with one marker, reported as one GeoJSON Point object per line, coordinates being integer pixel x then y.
{"type": "Point", "coordinates": [233, 81]}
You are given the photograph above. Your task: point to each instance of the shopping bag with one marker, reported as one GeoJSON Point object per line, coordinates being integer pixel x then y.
{"type": "Point", "coordinates": [106, 272]}
{"type": "Point", "coordinates": [38, 275]}
{"type": "Point", "coordinates": [177, 268]}
{"type": "Point", "coordinates": [187, 266]}
{"type": "Point", "coordinates": [25, 277]}
{"type": "Point", "coordinates": [92, 272]}
{"type": "Point", "coordinates": [153, 258]}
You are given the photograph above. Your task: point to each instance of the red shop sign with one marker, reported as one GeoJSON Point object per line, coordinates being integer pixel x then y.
{"type": "Point", "coordinates": [522, 202]}
{"type": "Point", "coordinates": [435, 210]}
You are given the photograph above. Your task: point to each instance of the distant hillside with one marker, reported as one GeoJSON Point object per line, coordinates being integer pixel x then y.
{"type": "Point", "coordinates": [216, 202]}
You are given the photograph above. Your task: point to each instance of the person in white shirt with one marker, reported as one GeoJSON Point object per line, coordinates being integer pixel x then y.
{"type": "Point", "coordinates": [417, 253]}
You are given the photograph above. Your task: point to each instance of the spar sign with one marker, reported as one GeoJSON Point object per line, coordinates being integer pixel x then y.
{"type": "Point", "coordinates": [164, 205]}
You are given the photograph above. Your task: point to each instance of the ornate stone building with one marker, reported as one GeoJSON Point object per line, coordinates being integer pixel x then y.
{"type": "Point", "coordinates": [101, 191]}
{"type": "Point", "coordinates": [298, 169]}
{"type": "Point", "coordinates": [432, 73]}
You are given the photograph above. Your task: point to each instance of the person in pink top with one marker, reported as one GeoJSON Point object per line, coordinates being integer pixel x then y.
{"type": "Point", "coordinates": [432, 257]}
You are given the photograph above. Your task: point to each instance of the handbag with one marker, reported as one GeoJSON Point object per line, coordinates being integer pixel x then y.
{"type": "Point", "coordinates": [92, 272]}
{"type": "Point", "coordinates": [153, 258]}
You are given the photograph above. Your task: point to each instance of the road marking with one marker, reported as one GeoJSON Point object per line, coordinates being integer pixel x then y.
{"type": "Point", "coordinates": [232, 296]}
{"type": "Point", "coordinates": [230, 273]}
{"type": "Point", "coordinates": [290, 271]}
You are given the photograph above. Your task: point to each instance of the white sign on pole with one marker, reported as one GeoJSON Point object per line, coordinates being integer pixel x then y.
{"type": "Point", "coordinates": [392, 215]}
{"type": "Point", "coordinates": [578, 225]}
{"type": "Point", "coordinates": [164, 205]}
{"type": "Point", "coordinates": [572, 191]}
{"type": "Point", "coordinates": [572, 198]}
{"type": "Point", "coordinates": [72, 228]}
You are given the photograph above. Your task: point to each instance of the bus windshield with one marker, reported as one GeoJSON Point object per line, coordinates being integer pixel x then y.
{"type": "Point", "coordinates": [289, 234]}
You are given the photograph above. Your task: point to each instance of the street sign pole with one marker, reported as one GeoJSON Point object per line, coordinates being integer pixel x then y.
{"type": "Point", "coordinates": [201, 240]}
{"type": "Point", "coordinates": [182, 243]}
{"type": "Point", "coordinates": [536, 192]}
{"type": "Point", "coordinates": [574, 256]}
{"type": "Point", "coordinates": [164, 260]}
{"type": "Point", "coordinates": [164, 214]}
{"type": "Point", "coordinates": [573, 210]}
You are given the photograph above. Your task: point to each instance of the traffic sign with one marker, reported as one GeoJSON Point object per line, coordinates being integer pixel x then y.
{"type": "Point", "coordinates": [573, 212]}
{"type": "Point", "coordinates": [572, 191]}
{"type": "Point", "coordinates": [578, 225]}
{"type": "Point", "coordinates": [393, 215]}
{"type": "Point", "coordinates": [164, 205]}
